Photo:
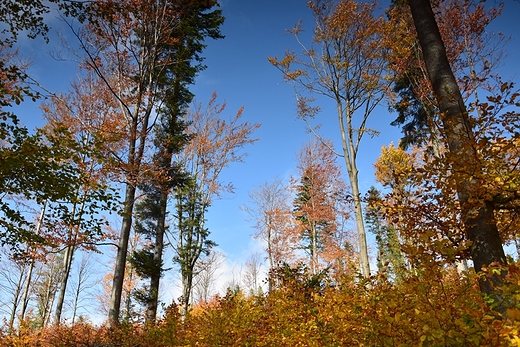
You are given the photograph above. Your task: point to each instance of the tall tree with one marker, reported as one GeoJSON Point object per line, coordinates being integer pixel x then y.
{"type": "Point", "coordinates": [320, 203]}
{"type": "Point", "coordinates": [195, 23]}
{"type": "Point", "coordinates": [85, 111]}
{"type": "Point", "coordinates": [390, 259]}
{"type": "Point", "coordinates": [135, 47]}
{"type": "Point", "coordinates": [214, 144]}
{"type": "Point", "coordinates": [472, 49]}
{"type": "Point", "coordinates": [347, 64]}
{"type": "Point", "coordinates": [477, 211]}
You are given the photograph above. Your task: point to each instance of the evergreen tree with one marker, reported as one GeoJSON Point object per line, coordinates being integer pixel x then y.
{"type": "Point", "coordinates": [390, 259]}
{"type": "Point", "coordinates": [310, 207]}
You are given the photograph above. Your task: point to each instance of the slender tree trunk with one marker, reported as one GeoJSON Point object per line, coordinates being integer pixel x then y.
{"type": "Point", "coordinates": [67, 262]}
{"type": "Point", "coordinates": [49, 291]}
{"type": "Point", "coordinates": [76, 299]}
{"type": "Point", "coordinates": [122, 250]}
{"type": "Point", "coordinates": [187, 285]}
{"type": "Point", "coordinates": [478, 218]}
{"type": "Point", "coordinates": [16, 300]}
{"type": "Point", "coordinates": [350, 154]}
{"type": "Point", "coordinates": [314, 249]}
{"type": "Point", "coordinates": [27, 288]}
{"type": "Point", "coordinates": [25, 296]}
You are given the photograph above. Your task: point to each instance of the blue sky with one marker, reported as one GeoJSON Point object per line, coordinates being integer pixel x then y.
{"type": "Point", "coordinates": [238, 70]}
{"type": "Point", "coordinates": [240, 73]}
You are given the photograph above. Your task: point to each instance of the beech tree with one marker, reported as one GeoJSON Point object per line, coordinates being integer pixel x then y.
{"type": "Point", "coordinates": [472, 50]}
{"type": "Point", "coordinates": [346, 64]}
{"type": "Point", "coordinates": [72, 224]}
{"type": "Point", "coordinates": [477, 211]}
{"type": "Point", "coordinates": [214, 144]}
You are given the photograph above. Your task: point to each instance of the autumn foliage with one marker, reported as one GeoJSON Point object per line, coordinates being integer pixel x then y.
{"type": "Point", "coordinates": [433, 307]}
{"type": "Point", "coordinates": [320, 289]}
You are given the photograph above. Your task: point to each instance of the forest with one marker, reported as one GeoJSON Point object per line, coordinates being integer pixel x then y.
{"type": "Point", "coordinates": [127, 166]}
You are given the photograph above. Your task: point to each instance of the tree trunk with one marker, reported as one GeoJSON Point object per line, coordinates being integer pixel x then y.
{"type": "Point", "coordinates": [350, 153]}
{"type": "Point", "coordinates": [362, 238]}
{"type": "Point", "coordinates": [358, 208]}
{"type": "Point", "coordinates": [314, 248]}
{"type": "Point", "coordinates": [122, 250]}
{"type": "Point", "coordinates": [187, 285]}
{"type": "Point", "coordinates": [478, 218]}
{"type": "Point", "coordinates": [49, 293]}
{"type": "Point", "coordinates": [155, 278]}
{"type": "Point", "coordinates": [67, 264]}
{"type": "Point", "coordinates": [25, 296]}
{"type": "Point", "coordinates": [67, 260]}
{"type": "Point", "coordinates": [27, 288]}
{"type": "Point", "coordinates": [16, 299]}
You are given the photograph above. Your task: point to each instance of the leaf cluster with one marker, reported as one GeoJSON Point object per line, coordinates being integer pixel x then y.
{"type": "Point", "coordinates": [433, 307]}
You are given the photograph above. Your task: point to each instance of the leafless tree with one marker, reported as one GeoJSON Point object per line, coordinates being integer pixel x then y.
{"type": "Point", "coordinates": [252, 273]}
{"type": "Point", "coordinates": [269, 209]}
{"type": "Point", "coordinates": [205, 277]}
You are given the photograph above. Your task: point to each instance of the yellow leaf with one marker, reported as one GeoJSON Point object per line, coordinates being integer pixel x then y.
{"type": "Point", "coordinates": [513, 313]}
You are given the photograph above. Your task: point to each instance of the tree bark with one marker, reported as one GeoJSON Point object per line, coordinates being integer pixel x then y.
{"type": "Point", "coordinates": [67, 260]}
{"type": "Point", "coordinates": [67, 264]}
{"type": "Point", "coordinates": [350, 154]}
{"type": "Point", "coordinates": [478, 217]}
{"type": "Point", "coordinates": [122, 249]}
{"type": "Point", "coordinates": [25, 296]}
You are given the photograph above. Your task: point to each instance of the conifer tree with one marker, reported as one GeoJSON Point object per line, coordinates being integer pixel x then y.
{"type": "Point", "coordinates": [390, 259]}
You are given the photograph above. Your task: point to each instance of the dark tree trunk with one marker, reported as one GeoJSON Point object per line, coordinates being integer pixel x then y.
{"type": "Point", "coordinates": [477, 213]}
{"type": "Point", "coordinates": [119, 271]}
